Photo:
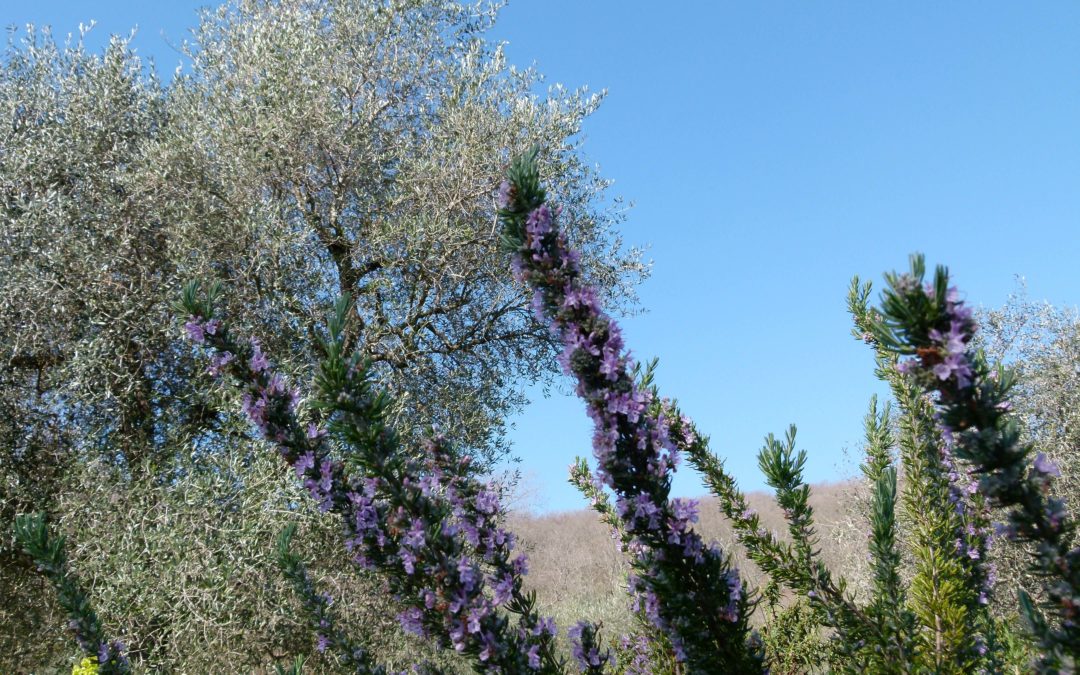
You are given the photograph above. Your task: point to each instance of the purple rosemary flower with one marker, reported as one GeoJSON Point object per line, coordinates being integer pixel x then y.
{"type": "Point", "coordinates": [505, 192]}
{"type": "Point", "coordinates": [425, 524]}
{"type": "Point", "coordinates": [972, 400]}
{"type": "Point", "coordinates": [487, 502]}
{"type": "Point", "coordinates": [545, 625]}
{"type": "Point", "coordinates": [195, 331]}
{"type": "Point", "coordinates": [632, 446]}
{"type": "Point", "coordinates": [1044, 466]}
{"type": "Point", "coordinates": [218, 363]}
{"type": "Point", "coordinates": [411, 621]}
{"type": "Point", "coordinates": [584, 648]}
{"type": "Point", "coordinates": [635, 659]}
{"type": "Point", "coordinates": [258, 362]}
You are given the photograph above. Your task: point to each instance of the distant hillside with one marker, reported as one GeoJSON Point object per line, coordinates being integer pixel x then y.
{"type": "Point", "coordinates": [578, 572]}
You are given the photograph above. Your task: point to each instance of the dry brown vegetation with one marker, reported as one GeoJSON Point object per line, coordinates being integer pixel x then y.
{"type": "Point", "coordinates": [578, 572]}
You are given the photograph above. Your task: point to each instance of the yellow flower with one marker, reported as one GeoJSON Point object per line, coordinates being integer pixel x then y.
{"type": "Point", "coordinates": [88, 666]}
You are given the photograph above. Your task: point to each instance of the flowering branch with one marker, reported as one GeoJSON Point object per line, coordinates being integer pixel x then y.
{"type": "Point", "coordinates": [423, 522]}
{"type": "Point", "coordinates": [102, 656]}
{"type": "Point", "coordinates": [320, 615]}
{"type": "Point", "coordinates": [929, 325]}
{"type": "Point", "coordinates": [950, 589]}
{"type": "Point", "coordinates": [687, 589]}
{"type": "Point", "coordinates": [649, 645]}
{"type": "Point", "coordinates": [585, 646]}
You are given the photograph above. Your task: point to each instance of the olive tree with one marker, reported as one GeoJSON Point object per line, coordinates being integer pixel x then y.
{"type": "Point", "coordinates": [1042, 342]}
{"type": "Point", "coordinates": [306, 149]}
{"type": "Point", "coordinates": [355, 149]}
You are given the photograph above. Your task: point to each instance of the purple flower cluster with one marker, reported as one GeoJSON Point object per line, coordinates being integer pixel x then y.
{"type": "Point", "coordinates": [505, 194]}
{"type": "Point", "coordinates": [947, 361]}
{"type": "Point", "coordinates": [633, 449]}
{"type": "Point", "coordinates": [107, 652]}
{"type": "Point", "coordinates": [47, 551]}
{"type": "Point", "coordinates": [953, 348]}
{"type": "Point", "coordinates": [634, 658]}
{"type": "Point", "coordinates": [112, 653]}
{"type": "Point", "coordinates": [946, 356]}
{"type": "Point", "coordinates": [1045, 467]}
{"type": "Point", "coordinates": [431, 527]}
{"type": "Point", "coordinates": [585, 648]}
{"type": "Point", "coordinates": [198, 330]}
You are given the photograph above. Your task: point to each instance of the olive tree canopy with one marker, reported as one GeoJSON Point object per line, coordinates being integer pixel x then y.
{"type": "Point", "coordinates": [309, 149]}
{"type": "Point", "coordinates": [306, 149]}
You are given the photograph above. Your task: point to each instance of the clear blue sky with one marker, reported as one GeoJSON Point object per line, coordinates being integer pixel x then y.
{"type": "Point", "coordinates": [773, 150]}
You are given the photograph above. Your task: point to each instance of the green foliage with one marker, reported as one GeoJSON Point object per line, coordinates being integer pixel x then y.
{"type": "Point", "coordinates": [940, 592]}
{"type": "Point", "coordinates": [646, 649]}
{"type": "Point", "coordinates": [781, 561]}
{"type": "Point", "coordinates": [645, 653]}
{"type": "Point", "coordinates": [295, 668]}
{"type": "Point", "coordinates": [47, 552]}
{"type": "Point", "coordinates": [795, 640]}
{"type": "Point", "coordinates": [783, 472]}
{"type": "Point", "coordinates": [944, 591]}
{"type": "Point", "coordinates": [960, 450]}
{"type": "Point", "coordinates": [1017, 652]}
{"type": "Point", "coordinates": [880, 440]}
{"type": "Point", "coordinates": [523, 193]}
{"type": "Point", "coordinates": [1041, 344]}
{"type": "Point", "coordinates": [422, 520]}
{"type": "Point", "coordinates": [321, 189]}
{"type": "Point", "coordinates": [192, 570]}
{"type": "Point", "coordinates": [322, 620]}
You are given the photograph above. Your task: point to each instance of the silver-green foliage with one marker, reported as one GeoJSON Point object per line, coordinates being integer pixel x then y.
{"type": "Point", "coordinates": [188, 573]}
{"type": "Point", "coordinates": [1042, 343]}
{"type": "Point", "coordinates": [306, 150]}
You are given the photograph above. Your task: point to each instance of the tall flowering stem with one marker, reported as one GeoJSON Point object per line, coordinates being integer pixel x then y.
{"type": "Point", "coordinates": [930, 329]}
{"type": "Point", "coordinates": [687, 588]}
{"type": "Point", "coordinates": [585, 644]}
{"type": "Point", "coordinates": [47, 552]}
{"type": "Point", "coordinates": [420, 519]}
{"type": "Point", "coordinates": [948, 520]}
{"type": "Point", "coordinates": [319, 610]}
{"type": "Point", "coordinates": [648, 644]}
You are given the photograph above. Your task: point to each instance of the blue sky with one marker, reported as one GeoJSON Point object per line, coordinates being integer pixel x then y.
{"type": "Point", "coordinates": [773, 150]}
